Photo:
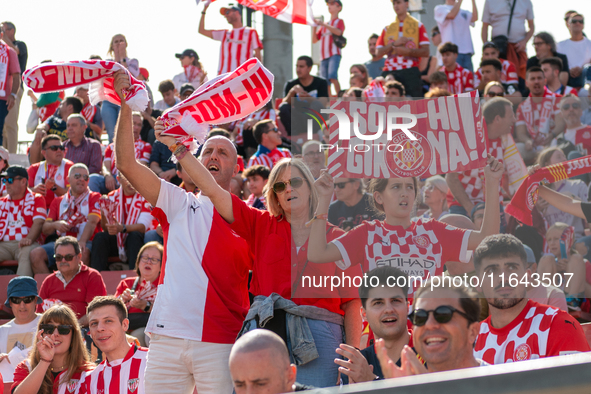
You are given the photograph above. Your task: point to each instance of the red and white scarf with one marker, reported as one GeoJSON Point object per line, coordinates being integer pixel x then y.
{"type": "Point", "coordinates": [4, 63]}
{"type": "Point", "coordinates": [27, 204]}
{"type": "Point", "coordinates": [113, 207]}
{"type": "Point", "coordinates": [73, 213]}
{"type": "Point", "coordinates": [49, 171]}
{"type": "Point", "coordinates": [52, 77]}
{"type": "Point", "coordinates": [374, 90]}
{"type": "Point", "coordinates": [224, 99]}
{"type": "Point", "coordinates": [193, 74]}
{"type": "Point", "coordinates": [89, 111]}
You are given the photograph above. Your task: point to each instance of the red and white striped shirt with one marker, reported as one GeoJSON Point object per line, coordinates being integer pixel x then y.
{"type": "Point", "coordinates": [265, 157]}
{"type": "Point", "coordinates": [327, 46]}
{"type": "Point", "coordinates": [460, 80]}
{"type": "Point", "coordinates": [394, 62]}
{"type": "Point", "coordinates": [23, 369]}
{"type": "Point", "coordinates": [117, 378]}
{"type": "Point", "coordinates": [508, 74]}
{"type": "Point", "coordinates": [237, 47]}
{"type": "Point", "coordinates": [142, 150]}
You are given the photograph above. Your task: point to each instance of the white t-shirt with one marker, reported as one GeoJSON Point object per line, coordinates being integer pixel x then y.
{"type": "Point", "coordinates": [455, 30]}
{"type": "Point", "coordinates": [578, 53]}
{"type": "Point", "coordinates": [20, 336]}
{"type": "Point", "coordinates": [549, 295]}
{"type": "Point", "coordinates": [496, 13]}
{"type": "Point", "coordinates": [162, 106]}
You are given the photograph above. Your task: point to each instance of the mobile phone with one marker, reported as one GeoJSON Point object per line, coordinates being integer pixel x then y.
{"type": "Point", "coordinates": [563, 249]}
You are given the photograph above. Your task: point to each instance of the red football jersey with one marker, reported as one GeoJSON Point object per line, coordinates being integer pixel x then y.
{"type": "Point", "coordinates": [394, 62]}
{"type": "Point", "coordinates": [237, 47]}
{"type": "Point", "coordinates": [508, 74]}
{"type": "Point", "coordinates": [142, 150]}
{"type": "Point", "coordinates": [460, 80]}
{"type": "Point", "coordinates": [538, 117]}
{"type": "Point", "coordinates": [327, 46]}
{"type": "Point", "coordinates": [17, 216]}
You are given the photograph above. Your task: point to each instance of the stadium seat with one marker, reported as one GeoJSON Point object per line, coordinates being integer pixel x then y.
{"type": "Point", "coordinates": [8, 263]}
{"type": "Point", "coordinates": [5, 312]}
{"type": "Point", "coordinates": [40, 278]}
{"type": "Point", "coordinates": [112, 279]}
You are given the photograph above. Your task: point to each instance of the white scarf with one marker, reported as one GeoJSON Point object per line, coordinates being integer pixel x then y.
{"type": "Point", "coordinates": [4, 59]}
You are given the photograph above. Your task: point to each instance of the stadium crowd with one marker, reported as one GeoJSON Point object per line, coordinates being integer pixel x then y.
{"type": "Point", "coordinates": [220, 240]}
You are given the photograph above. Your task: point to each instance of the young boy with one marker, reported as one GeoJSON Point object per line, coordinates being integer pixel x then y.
{"type": "Point", "coordinates": [330, 54]}
{"type": "Point", "coordinates": [459, 79]}
{"type": "Point", "coordinates": [257, 177]}
{"type": "Point", "coordinates": [169, 95]}
{"type": "Point", "coordinates": [438, 80]}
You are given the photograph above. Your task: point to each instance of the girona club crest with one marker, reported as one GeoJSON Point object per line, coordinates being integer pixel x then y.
{"type": "Point", "coordinates": [523, 352]}
{"type": "Point", "coordinates": [422, 241]}
{"type": "Point", "coordinates": [532, 195]}
{"type": "Point", "coordinates": [408, 158]}
{"type": "Point", "coordinates": [272, 7]}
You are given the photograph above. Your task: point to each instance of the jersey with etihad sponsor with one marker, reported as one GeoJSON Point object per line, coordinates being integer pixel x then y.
{"type": "Point", "coordinates": [538, 118]}
{"type": "Point", "coordinates": [394, 62]}
{"type": "Point", "coordinates": [473, 180]}
{"type": "Point", "coordinates": [237, 47]}
{"type": "Point", "coordinates": [204, 261]}
{"type": "Point", "coordinates": [539, 331]}
{"type": "Point", "coordinates": [508, 74]}
{"type": "Point", "coordinates": [459, 80]}
{"type": "Point", "coordinates": [327, 46]}
{"type": "Point", "coordinates": [265, 157]}
{"type": "Point", "coordinates": [420, 250]}
{"type": "Point", "coordinates": [118, 377]}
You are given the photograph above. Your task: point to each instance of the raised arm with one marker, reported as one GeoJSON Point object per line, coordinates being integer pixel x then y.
{"type": "Point", "coordinates": [458, 191]}
{"type": "Point", "coordinates": [562, 202]}
{"type": "Point", "coordinates": [454, 11]}
{"type": "Point", "coordinates": [202, 29]}
{"type": "Point", "coordinates": [491, 223]}
{"type": "Point", "coordinates": [140, 176]}
{"type": "Point", "coordinates": [474, 12]}
{"type": "Point", "coordinates": [221, 199]}
{"type": "Point", "coordinates": [319, 251]}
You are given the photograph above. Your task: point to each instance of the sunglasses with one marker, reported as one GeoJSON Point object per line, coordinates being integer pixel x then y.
{"type": "Point", "coordinates": [279, 187]}
{"type": "Point", "coordinates": [11, 180]}
{"type": "Point", "coordinates": [581, 21]}
{"type": "Point", "coordinates": [62, 329]}
{"type": "Point", "coordinates": [150, 260]}
{"type": "Point", "coordinates": [494, 94]}
{"type": "Point", "coordinates": [55, 148]}
{"type": "Point", "coordinates": [273, 129]}
{"type": "Point", "coordinates": [536, 44]}
{"type": "Point", "coordinates": [574, 105]}
{"type": "Point", "coordinates": [442, 314]}
{"type": "Point", "coordinates": [78, 176]}
{"type": "Point", "coordinates": [27, 300]}
{"type": "Point", "coordinates": [434, 34]}
{"type": "Point", "coordinates": [341, 185]}
{"type": "Point", "coordinates": [68, 257]}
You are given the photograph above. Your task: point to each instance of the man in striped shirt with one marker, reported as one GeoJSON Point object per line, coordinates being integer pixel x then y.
{"type": "Point", "coordinates": [330, 54]}
{"type": "Point", "coordinates": [123, 369]}
{"type": "Point", "coordinates": [268, 137]}
{"type": "Point", "coordinates": [238, 45]}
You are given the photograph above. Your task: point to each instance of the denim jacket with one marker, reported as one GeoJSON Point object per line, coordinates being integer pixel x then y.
{"type": "Point", "coordinates": [300, 337]}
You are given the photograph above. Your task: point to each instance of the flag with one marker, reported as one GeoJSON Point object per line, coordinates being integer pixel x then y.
{"type": "Point", "coordinates": [290, 11]}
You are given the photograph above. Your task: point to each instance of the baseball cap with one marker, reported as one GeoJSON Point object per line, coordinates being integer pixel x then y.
{"type": "Point", "coordinates": [187, 52]}
{"type": "Point", "coordinates": [531, 258]}
{"type": "Point", "coordinates": [144, 73]}
{"type": "Point", "coordinates": [230, 7]}
{"type": "Point", "coordinates": [3, 153]}
{"type": "Point", "coordinates": [185, 87]}
{"type": "Point", "coordinates": [490, 44]}
{"type": "Point", "coordinates": [22, 286]}
{"type": "Point", "coordinates": [15, 170]}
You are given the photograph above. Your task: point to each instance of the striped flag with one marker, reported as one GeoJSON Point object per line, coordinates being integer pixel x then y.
{"type": "Point", "coordinates": [290, 11]}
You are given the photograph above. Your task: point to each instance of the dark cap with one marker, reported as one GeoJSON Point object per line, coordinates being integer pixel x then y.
{"type": "Point", "coordinates": [490, 44]}
{"type": "Point", "coordinates": [230, 7]}
{"type": "Point", "coordinates": [476, 208]}
{"type": "Point", "coordinates": [14, 171]}
{"type": "Point", "coordinates": [187, 52]}
{"type": "Point", "coordinates": [22, 286]}
{"type": "Point", "coordinates": [185, 87]}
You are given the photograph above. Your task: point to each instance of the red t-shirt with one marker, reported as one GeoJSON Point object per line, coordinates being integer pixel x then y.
{"type": "Point", "coordinates": [90, 206]}
{"type": "Point", "coordinates": [394, 62]}
{"type": "Point", "coordinates": [40, 172]}
{"type": "Point", "coordinates": [327, 46]}
{"type": "Point", "coordinates": [22, 371]}
{"type": "Point", "coordinates": [508, 74]}
{"type": "Point", "coordinates": [17, 216]}
{"type": "Point", "coordinates": [460, 80]}
{"type": "Point", "coordinates": [539, 331]}
{"type": "Point", "coordinates": [77, 294]}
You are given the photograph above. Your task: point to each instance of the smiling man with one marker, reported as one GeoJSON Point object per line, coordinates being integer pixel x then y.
{"type": "Point", "coordinates": [123, 369]}
{"type": "Point", "coordinates": [518, 328]}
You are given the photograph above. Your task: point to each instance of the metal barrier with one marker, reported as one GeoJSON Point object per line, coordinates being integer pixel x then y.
{"type": "Point", "coordinates": [565, 374]}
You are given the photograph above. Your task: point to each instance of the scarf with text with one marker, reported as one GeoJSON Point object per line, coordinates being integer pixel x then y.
{"type": "Point", "coordinates": [4, 63]}
{"type": "Point", "coordinates": [52, 77]}
{"type": "Point", "coordinates": [73, 214]}
{"type": "Point", "coordinates": [374, 90]}
{"type": "Point", "coordinates": [526, 196]}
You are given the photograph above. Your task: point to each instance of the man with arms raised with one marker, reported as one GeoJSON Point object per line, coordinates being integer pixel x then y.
{"type": "Point", "coordinates": [123, 369]}
{"type": "Point", "coordinates": [518, 328]}
{"type": "Point", "coordinates": [206, 265]}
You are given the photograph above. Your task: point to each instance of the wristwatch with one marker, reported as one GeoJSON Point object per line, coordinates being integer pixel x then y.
{"type": "Point", "coordinates": [13, 95]}
{"type": "Point", "coordinates": [124, 229]}
{"type": "Point", "coordinates": [148, 306]}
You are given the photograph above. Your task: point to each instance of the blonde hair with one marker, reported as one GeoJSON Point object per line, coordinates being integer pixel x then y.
{"type": "Point", "coordinates": [491, 84]}
{"type": "Point", "coordinates": [272, 201]}
{"type": "Point", "coordinates": [440, 183]}
{"type": "Point", "coordinates": [77, 358]}
{"type": "Point", "coordinates": [153, 244]}
{"type": "Point", "coordinates": [110, 52]}
{"type": "Point", "coordinates": [560, 226]}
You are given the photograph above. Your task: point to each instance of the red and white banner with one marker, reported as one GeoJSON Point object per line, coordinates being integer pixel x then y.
{"type": "Point", "coordinates": [53, 77]}
{"type": "Point", "coordinates": [375, 139]}
{"type": "Point", "coordinates": [290, 11]}
{"type": "Point", "coordinates": [224, 99]}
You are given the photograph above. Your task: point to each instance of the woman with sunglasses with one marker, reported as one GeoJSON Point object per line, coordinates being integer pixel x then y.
{"type": "Point", "coordinates": [58, 358]}
{"type": "Point", "coordinates": [494, 89]}
{"type": "Point", "coordinates": [139, 293]}
{"type": "Point", "coordinates": [419, 248]}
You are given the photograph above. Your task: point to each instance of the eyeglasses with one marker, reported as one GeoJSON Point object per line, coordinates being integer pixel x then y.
{"type": "Point", "coordinates": [581, 21]}
{"type": "Point", "coordinates": [279, 187]}
{"type": "Point", "coordinates": [68, 257]}
{"type": "Point", "coordinates": [78, 176]}
{"type": "Point", "coordinates": [151, 260]}
{"type": "Point", "coordinates": [11, 180]}
{"type": "Point", "coordinates": [574, 105]}
{"type": "Point", "coordinates": [62, 329]}
{"type": "Point", "coordinates": [27, 300]}
{"type": "Point", "coordinates": [536, 44]}
{"type": "Point", "coordinates": [55, 148]}
{"type": "Point", "coordinates": [495, 94]}
{"type": "Point", "coordinates": [434, 34]}
{"type": "Point", "coordinates": [442, 314]}
{"type": "Point", "coordinates": [341, 185]}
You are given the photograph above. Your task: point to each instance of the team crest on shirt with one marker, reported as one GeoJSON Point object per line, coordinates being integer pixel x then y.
{"type": "Point", "coordinates": [523, 352]}
{"type": "Point", "coordinates": [58, 178]}
{"type": "Point", "coordinates": [586, 135]}
{"type": "Point", "coordinates": [408, 158]}
{"type": "Point", "coordinates": [422, 241]}
{"type": "Point", "coordinates": [71, 386]}
{"type": "Point", "coordinates": [132, 384]}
